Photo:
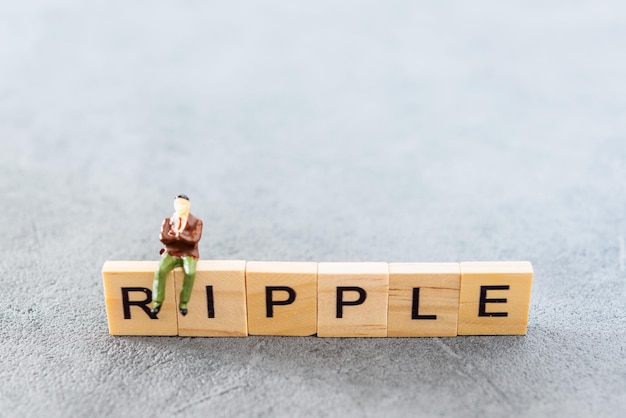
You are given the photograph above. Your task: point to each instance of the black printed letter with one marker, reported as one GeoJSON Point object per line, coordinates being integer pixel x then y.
{"type": "Point", "coordinates": [210, 305]}
{"type": "Point", "coordinates": [484, 301]}
{"type": "Point", "coordinates": [143, 304]}
{"type": "Point", "coordinates": [341, 303]}
{"type": "Point", "coordinates": [270, 302]}
{"type": "Point", "coordinates": [415, 312]}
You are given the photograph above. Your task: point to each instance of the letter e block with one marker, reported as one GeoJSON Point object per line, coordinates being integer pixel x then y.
{"type": "Point", "coordinates": [218, 300]}
{"type": "Point", "coordinates": [128, 299]}
{"type": "Point", "coordinates": [352, 299]}
{"type": "Point", "coordinates": [495, 297]}
{"type": "Point", "coordinates": [423, 299]}
{"type": "Point", "coordinates": [282, 298]}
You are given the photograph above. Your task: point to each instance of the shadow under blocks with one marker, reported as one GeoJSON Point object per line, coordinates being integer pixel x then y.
{"type": "Point", "coordinates": [366, 299]}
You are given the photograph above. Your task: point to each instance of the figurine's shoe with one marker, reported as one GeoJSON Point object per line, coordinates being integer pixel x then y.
{"type": "Point", "coordinates": [183, 309]}
{"type": "Point", "coordinates": [155, 310]}
{"type": "Point", "coordinates": [183, 312]}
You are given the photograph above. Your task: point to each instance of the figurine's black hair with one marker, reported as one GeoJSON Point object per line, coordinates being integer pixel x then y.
{"type": "Point", "coordinates": [182, 196]}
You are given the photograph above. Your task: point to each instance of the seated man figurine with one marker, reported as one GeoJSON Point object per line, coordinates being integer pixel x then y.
{"type": "Point", "coordinates": [180, 234]}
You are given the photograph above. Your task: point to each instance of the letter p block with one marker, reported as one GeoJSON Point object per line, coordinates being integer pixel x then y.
{"type": "Point", "coordinates": [282, 298]}
{"type": "Point", "coordinates": [352, 299]}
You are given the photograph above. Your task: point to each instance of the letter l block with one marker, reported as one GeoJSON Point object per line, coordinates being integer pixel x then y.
{"type": "Point", "coordinates": [423, 299]}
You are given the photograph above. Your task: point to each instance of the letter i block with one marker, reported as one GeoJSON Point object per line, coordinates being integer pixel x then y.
{"type": "Point", "coordinates": [352, 299]}
{"type": "Point", "coordinates": [423, 299]}
{"type": "Point", "coordinates": [282, 298]}
{"type": "Point", "coordinates": [218, 300]}
{"type": "Point", "coordinates": [495, 297]}
{"type": "Point", "coordinates": [128, 299]}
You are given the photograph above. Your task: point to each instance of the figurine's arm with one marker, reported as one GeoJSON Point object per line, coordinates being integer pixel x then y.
{"type": "Point", "coordinates": [166, 236]}
{"type": "Point", "coordinates": [192, 237]}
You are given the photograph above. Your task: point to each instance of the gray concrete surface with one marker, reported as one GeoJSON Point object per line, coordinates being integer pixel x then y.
{"type": "Point", "coordinates": [321, 131]}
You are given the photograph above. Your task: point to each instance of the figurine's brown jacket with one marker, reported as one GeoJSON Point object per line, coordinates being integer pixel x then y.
{"type": "Point", "coordinates": [186, 244]}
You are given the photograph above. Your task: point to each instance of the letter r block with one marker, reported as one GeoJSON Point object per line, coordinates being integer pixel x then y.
{"type": "Point", "coordinates": [217, 307]}
{"type": "Point", "coordinates": [282, 298]}
{"type": "Point", "coordinates": [128, 299]}
{"type": "Point", "coordinates": [352, 299]}
{"type": "Point", "coordinates": [495, 298]}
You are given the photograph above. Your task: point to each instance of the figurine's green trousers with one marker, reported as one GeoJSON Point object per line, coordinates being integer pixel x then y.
{"type": "Point", "coordinates": [167, 264]}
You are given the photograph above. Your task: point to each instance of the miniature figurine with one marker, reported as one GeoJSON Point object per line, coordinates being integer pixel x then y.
{"type": "Point", "coordinates": [180, 234]}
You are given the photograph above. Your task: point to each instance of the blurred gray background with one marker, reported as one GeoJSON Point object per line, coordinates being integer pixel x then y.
{"type": "Point", "coordinates": [314, 131]}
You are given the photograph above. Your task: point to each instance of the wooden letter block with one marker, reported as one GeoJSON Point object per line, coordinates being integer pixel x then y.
{"type": "Point", "coordinates": [423, 299]}
{"type": "Point", "coordinates": [218, 300]}
{"type": "Point", "coordinates": [128, 298]}
{"type": "Point", "coordinates": [495, 297]}
{"type": "Point", "coordinates": [282, 298]}
{"type": "Point", "coordinates": [352, 299]}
